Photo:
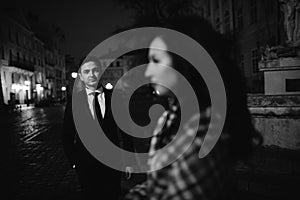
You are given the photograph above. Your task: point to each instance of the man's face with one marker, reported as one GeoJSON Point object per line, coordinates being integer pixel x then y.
{"type": "Point", "coordinates": [89, 74]}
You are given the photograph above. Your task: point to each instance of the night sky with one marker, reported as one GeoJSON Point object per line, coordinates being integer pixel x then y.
{"type": "Point", "coordinates": [85, 23]}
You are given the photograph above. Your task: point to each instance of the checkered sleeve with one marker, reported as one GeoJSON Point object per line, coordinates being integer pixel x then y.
{"type": "Point", "coordinates": [188, 177]}
{"type": "Point", "coordinates": [139, 192]}
{"type": "Point", "coordinates": [191, 177]}
{"type": "Point", "coordinates": [152, 189]}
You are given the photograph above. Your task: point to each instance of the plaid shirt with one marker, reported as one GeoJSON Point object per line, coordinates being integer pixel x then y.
{"type": "Point", "coordinates": [188, 177]}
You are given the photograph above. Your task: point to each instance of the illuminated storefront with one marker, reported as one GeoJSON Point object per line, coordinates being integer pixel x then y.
{"type": "Point", "coordinates": [16, 85]}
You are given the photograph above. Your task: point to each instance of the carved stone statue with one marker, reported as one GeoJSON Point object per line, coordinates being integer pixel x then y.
{"type": "Point", "coordinates": [291, 10]}
{"type": "Point", "coordinates": [270, 53]}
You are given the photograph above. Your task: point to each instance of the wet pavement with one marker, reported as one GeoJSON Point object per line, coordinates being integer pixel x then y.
{"type": "Point", "coordinates": [33, 164]}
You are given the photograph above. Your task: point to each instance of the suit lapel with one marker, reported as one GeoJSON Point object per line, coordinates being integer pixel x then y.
{"type": "Point", "coordinates": [85, 105]}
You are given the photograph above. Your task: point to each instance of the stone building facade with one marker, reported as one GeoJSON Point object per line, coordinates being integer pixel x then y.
{"type": "Point", "coordinates": [253, 24]}
{"type": "Point", "coordinates": [32, 68]}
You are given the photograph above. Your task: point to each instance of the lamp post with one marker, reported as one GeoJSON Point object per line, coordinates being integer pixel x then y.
{"type": "Point", "coordinates": [71, 80]}
{"type": "Point", "coordinates": [63, 89]}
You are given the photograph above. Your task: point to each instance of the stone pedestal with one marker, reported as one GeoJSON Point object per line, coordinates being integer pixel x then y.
{"type": "Point", "coordinates": [281, 76]}
{"type": "Point", "coordinates": [277, 118]}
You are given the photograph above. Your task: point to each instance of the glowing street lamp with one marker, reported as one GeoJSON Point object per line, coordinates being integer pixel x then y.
{"type": "Point", "coordinates": [74, 74]}
{"type": "Point", "coordinates": [63, 88]}
{"type": "Point", "coordinates": [109, 86]}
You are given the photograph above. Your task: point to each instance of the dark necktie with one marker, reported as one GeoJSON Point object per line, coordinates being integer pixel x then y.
{"type": "Point", "coordinates": [97, 108]}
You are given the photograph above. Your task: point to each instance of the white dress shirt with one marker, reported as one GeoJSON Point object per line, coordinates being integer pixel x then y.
{"type": "Point", "coordinates": [101, 99]}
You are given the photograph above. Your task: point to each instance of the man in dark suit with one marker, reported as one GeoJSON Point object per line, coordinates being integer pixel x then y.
{"type": "Point", "coordinates": [96, 179]}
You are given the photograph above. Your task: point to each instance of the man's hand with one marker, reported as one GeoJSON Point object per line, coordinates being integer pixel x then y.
{"type": "Point", "coordinates": [128, 171]}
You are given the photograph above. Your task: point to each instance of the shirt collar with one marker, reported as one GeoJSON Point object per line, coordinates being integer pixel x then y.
{"type": "Point", "coordinates": [89, 91]}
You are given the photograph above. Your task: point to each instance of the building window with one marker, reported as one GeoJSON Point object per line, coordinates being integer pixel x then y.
{"type": "Point", "coordinates": [201, 12]}
{"type": "Point", "coordinates": [258, 44]}
{"type": "Point", "coordinates": [292, 85]}
{"type": "Point", "coordinates": [216, 4]}
{"type": "Point", "coordinates": [34, 46]}
{"type": "Point", "coordinates": [272, 40]}
{"type": "Point", "coordinates": [253, 11]}
{"type": "Point", "coordinates": [10, 54]}
{"type": "Point", "coordinates": [254, 60]}
{"type": "Point", "coordinates": [17, 38]}
{"type": "Point", "coordinates": [240, 20]}
{"type": "Point", "coordinates": [241, 62]}
{"type": "Point", "coordinates": [117, 63]}
{"type": "Point", "coordinates": [269, 7]}
{"type": "Point", "coordinates": [218, 24]}
{"type": "Point", "coordinates": [24, 41]}
{"type": "Point", "coordinates": [58, 74]}
{"type": "Point", "coordinates": [10, 34]}
{"type": "Point", "coordinates": [208, 8]}
{"type": "Point", "coordinates": [2, 53]}
{"type": "Point", "coordinates": [227, 21]}
{"type": "Point", "coordinates": [29, 43]}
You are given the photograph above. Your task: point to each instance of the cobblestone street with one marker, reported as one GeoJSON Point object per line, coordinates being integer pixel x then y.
{"type": "Point", "coordinates": [34, 166]}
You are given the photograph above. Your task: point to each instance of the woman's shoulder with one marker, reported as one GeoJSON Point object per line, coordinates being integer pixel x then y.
{"type": "Point", "coordinates": [201, 134]}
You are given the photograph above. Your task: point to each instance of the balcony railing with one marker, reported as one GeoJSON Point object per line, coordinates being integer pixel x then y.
{"type": "Point", "coordinates": [20, 63]}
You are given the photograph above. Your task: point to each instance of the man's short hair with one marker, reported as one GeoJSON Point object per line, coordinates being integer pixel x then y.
{"type": "Point", "coordinates": [87, 59]}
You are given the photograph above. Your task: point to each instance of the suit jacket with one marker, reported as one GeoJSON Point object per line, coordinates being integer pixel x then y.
{"type": "Point", "coordinates": [74, 148]}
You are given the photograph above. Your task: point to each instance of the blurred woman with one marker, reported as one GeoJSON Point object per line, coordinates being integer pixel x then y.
{"type": "Point", "coordinates": [190, 177]}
